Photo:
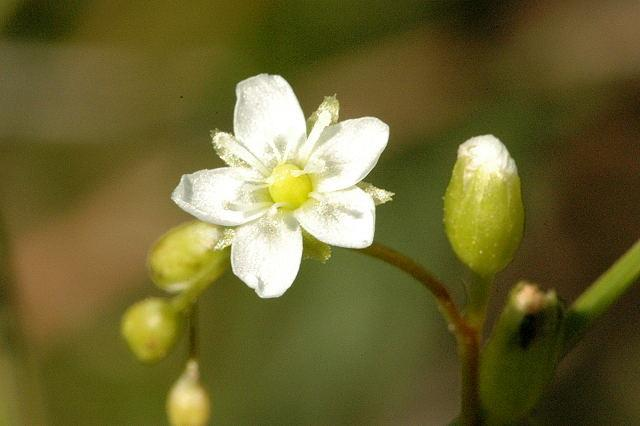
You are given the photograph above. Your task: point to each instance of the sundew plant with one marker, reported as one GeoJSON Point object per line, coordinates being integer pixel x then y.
{"type": "Point", "coordinates": [295, 187]}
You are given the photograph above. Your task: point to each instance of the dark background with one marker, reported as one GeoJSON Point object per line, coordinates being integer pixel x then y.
{"type": "Point", "coordinates": [104, 104]}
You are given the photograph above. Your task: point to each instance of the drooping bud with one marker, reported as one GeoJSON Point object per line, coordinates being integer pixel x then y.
{"type": "Point", "coordinates": [151, 328]}
{"type": "Point", "coordinates": [186, 252]}
{"type": "Point", "coordinates": [483, 211]}
{"type": "Point", "coordinates": [188, 402]}
{"type": "Point", "coordinates": [522, 353]}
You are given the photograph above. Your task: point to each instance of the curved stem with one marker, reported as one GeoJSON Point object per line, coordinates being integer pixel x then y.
{"type": "Point", "coordinates": [417, 271]}
{"type": "Point", "coordinates": [467, 336]}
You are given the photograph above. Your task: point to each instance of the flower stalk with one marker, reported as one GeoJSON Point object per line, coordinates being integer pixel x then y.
{"type": "Point", "coordinates": [467, 335]}
{"type": "Point", "coordinates": [194, 332]}
{"type": "Point", "coordinates": [478, 292]}
{"type": "Point", "coordinates": [186, 299]}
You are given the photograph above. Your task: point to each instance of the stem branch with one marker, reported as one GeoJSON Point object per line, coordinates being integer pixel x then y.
{"type": "Point", "coordinates": [597, 299]}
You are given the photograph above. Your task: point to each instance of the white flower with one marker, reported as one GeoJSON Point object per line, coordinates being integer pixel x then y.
{"type": "Point", "coordinates": [280, 179]}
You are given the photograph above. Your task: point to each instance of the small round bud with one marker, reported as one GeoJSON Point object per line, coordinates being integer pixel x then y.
{"type": "Point", "coordinates": [151, 328]}
{"type": "Point", "coordinates": [188, 402]}
{"type": "Point", "coordinates": [186, 252]}
{"type": "Point", "coordinates": [483, 211]}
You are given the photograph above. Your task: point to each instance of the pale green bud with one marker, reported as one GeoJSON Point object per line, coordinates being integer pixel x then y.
{"type": "Point", "coordinates": [521, 355]}
{"type": "Point", "coordinates": [188, 402]}
{"type": "Point", "coordinates": [187, 252]}
{"type": "Point", "coordinates": [483, 211]}
{"type": "Point", "coordinates": [151, 328]}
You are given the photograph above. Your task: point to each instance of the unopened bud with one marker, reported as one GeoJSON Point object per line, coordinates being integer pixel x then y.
{"type": "Point", "coordinates": [521, 355]}
{"type": "Point", "coordinates": [151, 328]}
{"type": "Point", "coordinates": [483, 212]}
{"type": "Point", "coordinates": [188, 402]}
{"type": "Point", "coordinates": [186, 252]}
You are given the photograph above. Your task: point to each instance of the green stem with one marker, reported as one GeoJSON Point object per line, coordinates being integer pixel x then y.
{"type": "Point", "coordinates": [467, 336]}
{"type": "Point", "coordinates": [193, 332]}
{"type": "Point", "coordinates": [469, 355]}
{"type": "Point", "coordinates": [606, 290]}
{"type": "Point", "coordinates": [478, 292]}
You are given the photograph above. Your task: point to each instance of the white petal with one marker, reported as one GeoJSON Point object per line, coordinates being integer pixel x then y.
{"type": "Point", "coordinates": [266, 253]}
{"type": "Point", "coordinates": [343, 218]}
{"type": "Point", "coordinates": [346, 153]}
{"type": "Point", "coordinates": [226, 196]}
{"type": "Point", "coordinates": [268, 119]}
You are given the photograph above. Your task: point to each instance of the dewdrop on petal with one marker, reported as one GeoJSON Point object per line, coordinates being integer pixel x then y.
{"type": "Point", "coordinates": [188, 402]}
{"type": "Point", "coordinates": [483, 211]}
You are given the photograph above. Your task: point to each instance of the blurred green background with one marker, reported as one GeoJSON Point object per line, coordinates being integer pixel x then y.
{"type": "Point", "coordinates": [105, 103]}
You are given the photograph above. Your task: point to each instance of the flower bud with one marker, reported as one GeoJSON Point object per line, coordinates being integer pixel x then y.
{"type": "Point", "coordinates": [151, 328]}
{"type": "Point", "coordinates": [188, 402]}
{"type": "Point", "coordinates": [483, 212]}
{"type": "Point", "coordinates": [522, 353]}
{"type": "Point", "coordinates": [186, 252]}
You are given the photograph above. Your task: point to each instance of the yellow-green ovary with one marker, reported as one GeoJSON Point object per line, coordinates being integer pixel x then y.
{"type": "Point", "coordinates": [289, 186]}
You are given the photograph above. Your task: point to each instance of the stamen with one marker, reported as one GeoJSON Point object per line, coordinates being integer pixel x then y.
{"type": "Point", "coordinates": [246, 207]}
{"type": "Point", "coordinates": [276, 151]}
{"type": "Point", "coordinates": [245, 155]}
{"type": "Point", "coordinates": [317, 196]}
{"type": "Point", "coordinates": [274, 208]}
{"type": "Point", "coordinates": [315, 168]}
{"type": "Point", "coordinates": [324, 119]}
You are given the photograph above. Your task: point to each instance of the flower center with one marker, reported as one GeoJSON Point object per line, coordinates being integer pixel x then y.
{"type": "Point", "coordinates": [289, 185]}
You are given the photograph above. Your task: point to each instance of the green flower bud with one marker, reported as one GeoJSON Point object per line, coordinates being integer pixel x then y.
{"type": "Point", "coordinates": [483, 212]}
{"type": "Point", "coordinates": [187, 252]}
{"type": "Point", "coordinates": [521, 355]}
{"type": "Point", "coordinates": [188, 402]}
{"type": "Point", "coordinates": [151, 328]}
